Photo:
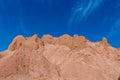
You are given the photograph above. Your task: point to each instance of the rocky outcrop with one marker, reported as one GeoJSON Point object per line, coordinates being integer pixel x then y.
{"type": "Point", "coordinates": [62, 58]}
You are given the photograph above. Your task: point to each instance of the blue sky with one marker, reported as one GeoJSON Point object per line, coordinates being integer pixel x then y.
{"type": "Point", "coordinates": [93, 19]}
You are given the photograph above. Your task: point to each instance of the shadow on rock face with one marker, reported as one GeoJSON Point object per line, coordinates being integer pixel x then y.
{"type": "Point", "coordinates": [119, 78]}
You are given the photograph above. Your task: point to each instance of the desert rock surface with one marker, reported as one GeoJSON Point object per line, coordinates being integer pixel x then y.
{"type": "Point", "coordinates": [62, 58]}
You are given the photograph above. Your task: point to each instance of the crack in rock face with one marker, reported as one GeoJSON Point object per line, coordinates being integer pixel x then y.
{"type": "Point", "coordinates": [59, 58]}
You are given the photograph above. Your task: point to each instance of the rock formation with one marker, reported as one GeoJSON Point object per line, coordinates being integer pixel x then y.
{"type": "Point", "coordinates": [63, 58]}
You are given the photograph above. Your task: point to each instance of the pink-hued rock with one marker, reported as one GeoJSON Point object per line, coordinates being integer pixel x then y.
{"type": "Point", "coordinates": [62, 58]}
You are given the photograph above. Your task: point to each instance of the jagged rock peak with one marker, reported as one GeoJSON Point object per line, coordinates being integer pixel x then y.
{"type": "Point", "coordinates": [65, 40]}
{"type": "Point", "coordinates": [79, 42]}
{"type": "Point", "coordinates": [81, 38]}
{"type": "Point", "coordinates": [47, 39]}
{"type": "Point", "coordinates": [32, 43]}
{"type": "Point", "coordinates": [47, 36]}
{"type": "Point", "coordinates": [17, 42]}
{"type": "Point", "coordinates": [34, 38]}
{"type": "Point", "coordinates": [65, 36]}
{"type": "Point", "coordinates": [75, 42]}
{"type": "Point", "coordinates": [105, 42]}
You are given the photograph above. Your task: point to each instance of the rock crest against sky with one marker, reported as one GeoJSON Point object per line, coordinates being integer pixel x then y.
{"type": "Point", "coordinates": [59, 58]}
{"type": "Point", "coordinates": [93, 19]}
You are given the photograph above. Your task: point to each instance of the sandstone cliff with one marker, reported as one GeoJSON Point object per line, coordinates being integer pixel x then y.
{"type": "Point", "coordinates": [63, 58]}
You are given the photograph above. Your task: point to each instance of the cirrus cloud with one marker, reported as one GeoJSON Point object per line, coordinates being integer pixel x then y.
{"type": "Point", "coordinates": [83, 8]}
{"type": "Point", "coordinates": [115, 29]}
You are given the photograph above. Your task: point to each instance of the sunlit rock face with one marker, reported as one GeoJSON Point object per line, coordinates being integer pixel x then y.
{"type": "Point", "coordinates": [60, 58]}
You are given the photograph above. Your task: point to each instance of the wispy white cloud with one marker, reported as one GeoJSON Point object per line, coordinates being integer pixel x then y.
{"type": "Point", "coordinates": [115, 29]}
{"type": "Point", "coordinates": [83, 8]}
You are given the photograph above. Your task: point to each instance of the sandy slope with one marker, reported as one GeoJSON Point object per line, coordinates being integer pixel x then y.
{"type": "Point", "coordinates": [63, 58]}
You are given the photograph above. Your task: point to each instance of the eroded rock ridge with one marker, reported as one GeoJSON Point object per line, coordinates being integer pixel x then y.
{"type": "Point", "coordinates": [59, 58]}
